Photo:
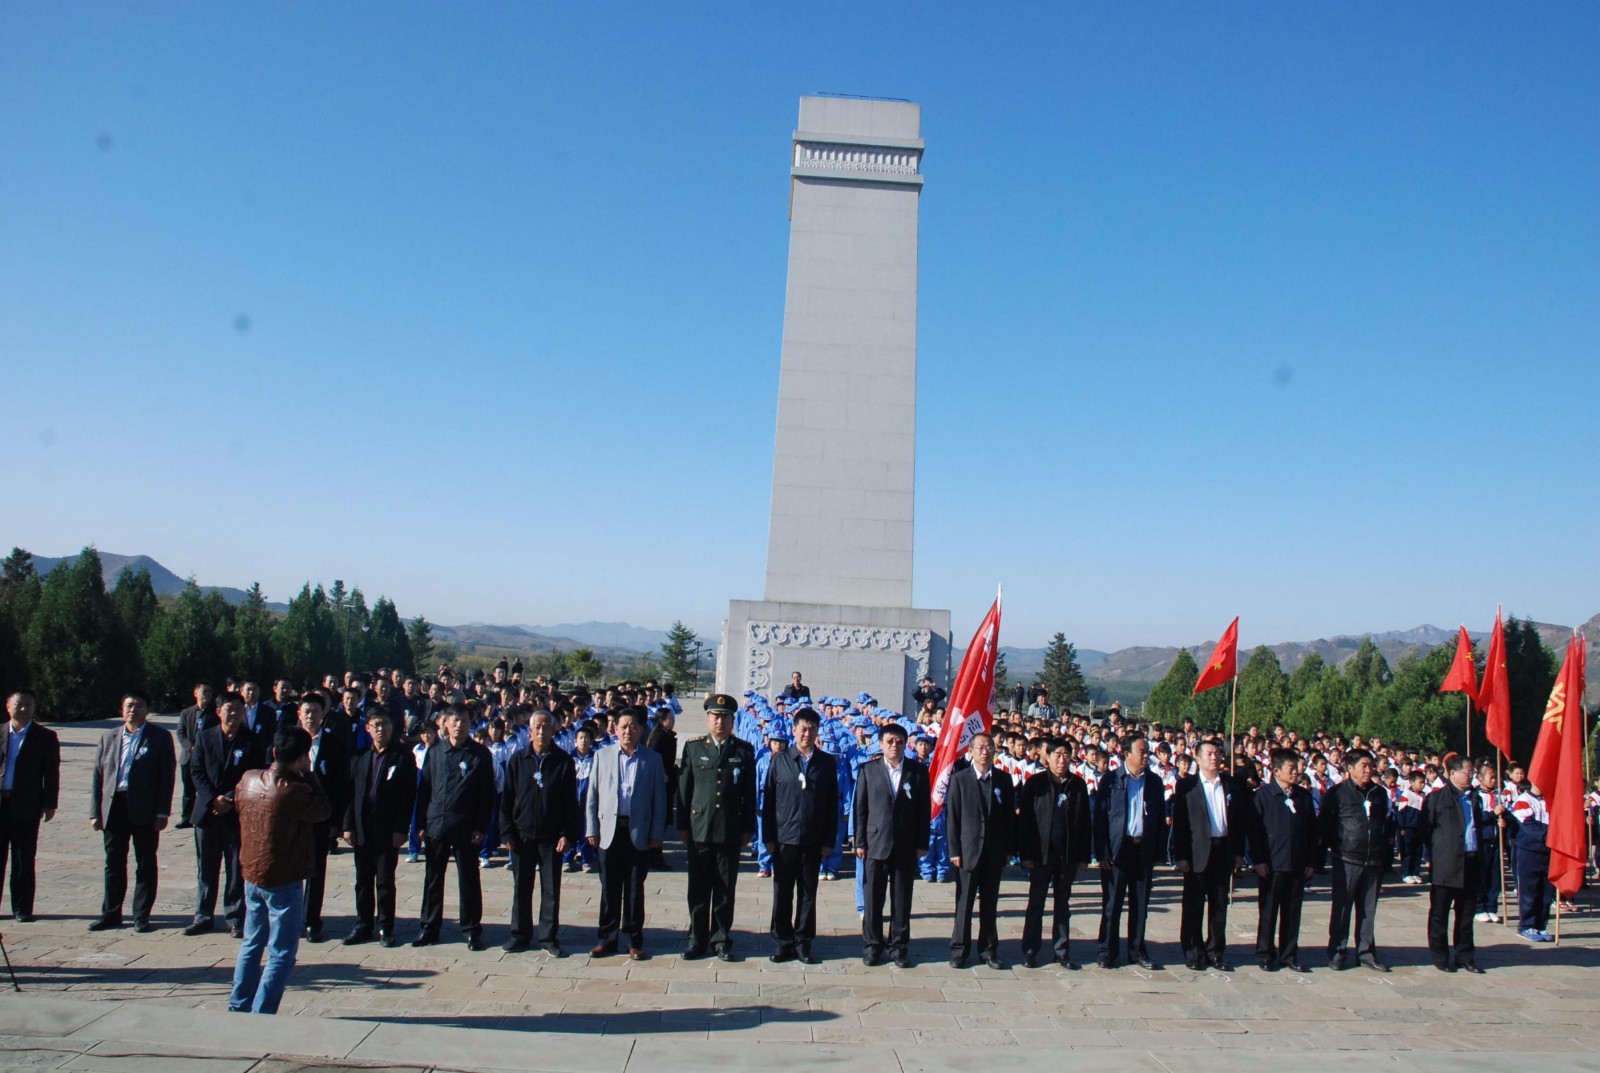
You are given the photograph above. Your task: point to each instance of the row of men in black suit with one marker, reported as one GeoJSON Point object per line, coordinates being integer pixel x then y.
{"type": "Point", "coordinates": [30, 790]}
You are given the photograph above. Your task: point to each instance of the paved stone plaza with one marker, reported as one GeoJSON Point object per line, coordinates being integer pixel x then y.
{"type": "Point", "coordinates": [118, 1001]}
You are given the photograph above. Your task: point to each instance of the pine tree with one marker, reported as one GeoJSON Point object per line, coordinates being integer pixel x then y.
{"type": "Point", "coordinates": [253, 653]}
{"type": "Point", "coordinates": [136, 609]}
{"type": "Point", "coordinates": [420, 634]}
{"type": "Point", "coordinates": [188, 643]}
{"type": "Point", "coordinates": [1062, 675]}
{"type": "Point", "coordinates": [581, 665]}
{"type": "Point", "coordinates": [1263, 689]}
{"type": "Point", "coordinates": [19, 596]}
{"type": "Point", "coordinates": [1170, 696]}
{"type": "Point", "coordinates": [1530, 675]}
{"type": "Point", "coordinates": [387, 644]}
{"type": "Point", "coordinates": [678, 653]}
{"type": "Point", "coordinates": [71, 640]}
{"type": "Point", "coordinates": [305, 637]}
{"type": "Point", "coordinates": [1002, 681]}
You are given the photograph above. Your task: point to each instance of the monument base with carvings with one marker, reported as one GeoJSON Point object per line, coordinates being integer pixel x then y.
{"type": "Point", "coordinates": [839, 651]}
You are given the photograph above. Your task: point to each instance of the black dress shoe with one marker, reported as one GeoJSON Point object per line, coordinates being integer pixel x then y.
{"type": "Point", "coordinates": [1105, 963]}
{"type": "Point", "coordinates": [143, 926]}
{"type": "Point", "coordinates": [475, 941]}
{"type": "Point", "coordinates": [1370, 962]}
{"type": "Point", "coordinates": [1030, 961]}
{"type": "Point", "coordinates": [902, 960]}
{"type": "Point", "coordinates": [105, 924]}
{"type": "Point", "coordinates": [236, 931]}
{"type": "Point", "coordinates": [1472, 967]}
{"type": "Point", "coordinates": [871, 958]}
{"type": "Point", "coordinates": [553, 948]}
{"type": "Point", "coordinates": [778, 957]}
{"type": "Point", "coordinates": [1336, 960]}
{"type": "Point", "coordinates": [1221, 965]}
{"type": "Point", "coordinates": [1295, 966]}
{"type": "Point", "coordinates": [1144, 962]}
{"type": "Point", "coordinates": [313, 933]}
{"type": "Point", "coordinates": [387, 940]}
{"type": "Point", "coordinates": [26, 918]}
{"type": "Point", "coordinates": [958, 963]}
{"type": "Point", "coordinates": [425, 939]}
{"type": "Point", "coordinates": [1268, 965]}
{"type": "Point", "coordinates": [808, 958]}
{"type": "Point", "coordinates": [1067, 963]}
{"type": "Point", "coordinates": [515, 945]}
{"type": "Point", "coordinates": [1193, 965]}
{"type": "Point", "coordinates": [993, 961]}
{"type": "Point", "coordinates": [725, 954]}
{"type": "Point", "coordinates": [1444, 966]}
{"type": "Point", "coordinates": [184, 826]}
{"type": "Point", "coordinates": [693, 953]}
{"type": "Point", "coordinates": [199, 927]}
{"type": "Point", "coordinates": [359, 936]}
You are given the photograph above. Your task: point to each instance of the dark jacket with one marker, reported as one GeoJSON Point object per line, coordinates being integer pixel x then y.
{"type": "Point", "coordinates": [150, 778]}
{"type": "Point", "coordinates": [332, 767]}
{"type": "Point", "coordinates": [1191, 821]}
{"type": "Point", "coordinates": [1356, 824]}
{"type": "Point", "coordinates": [277, 811]}
{"type": "Point", "coordinates": [1444, 827]}
{"type": "Point", "coordinates": [36, 780]}
{"type": "Point", "coordinates": [191, 722]}
{"type": "Point", "coordinates": [539, 801]}
{"type": "Point", "coordinates": [1111, 817]}
{"type": "Point", "coordinates": [980, 821]}
{"type": "Point", "coordinates": [266, 720]}
{"type": "Point", "coordinates": [888, 824]}
{"type": "Point", "coordinates": [389, 814]}
{"type": "Point", "coordinates": [455, 793]}
{"type": "Point", "coordinates": [1038, 807]}
{"type": "Point", "coordinates": [1282, 836]}
{"type": "Point", "coordinates": [795, 815]}
{"type": "Point", "coordinates": [718, 791]}
{"type": "Point", "coordinates": [217, 766]}
{"type": "Point", "coordinates": [665, 744]}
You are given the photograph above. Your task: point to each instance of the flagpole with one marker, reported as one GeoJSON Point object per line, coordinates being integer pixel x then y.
{"type": "Point", "coordinates": [1233, 725]}
{"type": "Point", "coordinates": [1468, 699]}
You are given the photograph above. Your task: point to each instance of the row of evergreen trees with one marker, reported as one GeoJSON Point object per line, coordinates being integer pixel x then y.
{"type": "Point", "coordinates": [1400, 704]}
{"type": "Point", "coordinates": [79, 646]}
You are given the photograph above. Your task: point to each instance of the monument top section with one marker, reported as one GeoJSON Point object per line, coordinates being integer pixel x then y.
{"type": "Point", "coordinates": [859, 141]}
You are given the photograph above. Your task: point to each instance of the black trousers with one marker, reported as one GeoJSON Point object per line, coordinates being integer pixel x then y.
{"type": "Point", "coordinates": [19, 840]}
{"type": "Point", "coordinates": [216, 851]}
{"type": "Point", "coordinates": [623, 867]}
{"type": "Point", "coordinates": [1056, 879]}
{"type": "Point", "coordinates": [1279, 897]}
{"type": "Point", "coordinates": [145, 839]}
{"type": "Point", "coordinates": [893, 877]}
{"type": "Point", "coordinates": [1355, 889]}
{"type": "Point", "coordinates": [794, 927]}
{"type": "Point", "coordinates": [713, 873]}
{"type": "Point", "coordinates": [436, 855]}
{"type": "Point", "coordinates": [375, 864]}
{"type": "Point", "coordinates": [1203, 928]}
{"type": "Point", "coordinates": [188, 792]}
{"type": "Point", "coordinates": [1130, 883]}
{"type": "Point", "coordinates": [1462, 901]}
{"type": "Point", "coordinates": [532, 860]}
{"type": "Point", "coordinates": [317, 881]}
{"type": "Point", "coordinates": [982, 886]}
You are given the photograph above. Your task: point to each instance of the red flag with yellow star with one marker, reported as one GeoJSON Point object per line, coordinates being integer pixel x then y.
{"type": "Point", "coordinates": [1557, 770]}
{"type": "Point", "coordinates": [1224, 662]}
{"type": "Point", "coordinates": [1494, 692]}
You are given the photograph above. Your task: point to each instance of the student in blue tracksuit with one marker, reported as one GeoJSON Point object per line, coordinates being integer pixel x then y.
{"type": "Point", "coordinates": [777, 741]}
{"type": "Point", "coordinates": [935, 867]}
{"type": "Point", "coordinates": [582, 854]}
{"type": "Point", "coordinates": [430, 735]}
{"type": "Point", "coordinates": [1531, 817]}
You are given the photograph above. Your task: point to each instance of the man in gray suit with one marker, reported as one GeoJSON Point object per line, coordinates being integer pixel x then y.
{"type": "Point", "coordinates": [626, 814]}
{"type": "Point", "coordinates": [130, 801]}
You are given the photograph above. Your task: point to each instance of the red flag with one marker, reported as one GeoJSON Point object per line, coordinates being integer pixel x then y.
{"type": "Point", "coordinates": [1224, 663]}
{"type": "Point", "coordinates": [969, 711]}
{"type": "Point", "coordinates": [1494, 692]}
{"type": "Point", "coordinates": [1557, 770]}
{"type": "Point", "coordinates": [1463, 676]}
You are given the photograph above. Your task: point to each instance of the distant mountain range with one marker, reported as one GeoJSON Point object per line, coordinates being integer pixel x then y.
{"type": "Point", "coordinates": [1134, 666]}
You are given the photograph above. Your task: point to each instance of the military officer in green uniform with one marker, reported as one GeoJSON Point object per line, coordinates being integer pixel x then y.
{"type": "Point", "coordinates": [717, 785]}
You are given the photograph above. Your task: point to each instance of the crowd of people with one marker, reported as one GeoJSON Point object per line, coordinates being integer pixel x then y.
{"type": "Point", "coordinates": [480, 770]}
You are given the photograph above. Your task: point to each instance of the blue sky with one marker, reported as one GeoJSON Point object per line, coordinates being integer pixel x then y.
{"type": "Point", "coordinates": [1280, 310]}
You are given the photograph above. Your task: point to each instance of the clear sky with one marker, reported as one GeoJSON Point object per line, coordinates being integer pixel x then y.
{"type": "Point", "coordinates": [1282, 310]}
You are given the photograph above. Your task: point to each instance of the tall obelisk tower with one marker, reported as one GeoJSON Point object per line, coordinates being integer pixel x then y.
{"type": "Point", "coordinates": [839, 550]}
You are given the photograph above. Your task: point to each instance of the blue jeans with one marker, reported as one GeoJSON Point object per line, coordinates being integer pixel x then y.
{"type": "Point", "coordinates": [273, 917]}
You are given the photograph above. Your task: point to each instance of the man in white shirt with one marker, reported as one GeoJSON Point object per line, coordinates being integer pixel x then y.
{"type": "Point", "coordinates": [1208, 827]}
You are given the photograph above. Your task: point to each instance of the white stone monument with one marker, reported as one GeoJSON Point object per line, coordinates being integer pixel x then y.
{"type": "Point", "coordinates": [838, 598]}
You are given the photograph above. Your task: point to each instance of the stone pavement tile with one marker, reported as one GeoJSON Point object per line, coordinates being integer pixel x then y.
{"type": "Point", "coordinates": [493, 1049]}
{"type": "Point", "coordinates": [1062, 1038]}
{"type": "Point", "coordinates": [1193, 1024]}
{"type": "Point", "coordinates": [874, 1019]}
{"type": "Point", "coordinates": [1554, 1044]}
{"type": "Point", "coordinates": [122, 1057]}
{"type": "Point", "coordinates": [30, 1014]}
{"type": "Point", "coordinates": [963, 1037]}
{"type": "Point", "coordinates": [654, 1055]}
{"type": "Point", "coordinates": [1239, 1061]}
{"type": "Point", "coordinates": [712, 987]}
{"type": "Point", "coordinates": [1007, 1021]}
{"type": "Point", "coordinates": [249, 1035]}
{"type": "Point", "coordinates": [1422, 1062]}
{"type": "Point", "coordinates": [860, 1037]}
{"type": "Point", "coordinates": [1254, 1041]}
{"type": "Point", "coordinates": [1099, 1024]}
{"type": "Point", "coordinates": [975, 1060]}
{"type": "Point", "coordinates": [663, 1002]}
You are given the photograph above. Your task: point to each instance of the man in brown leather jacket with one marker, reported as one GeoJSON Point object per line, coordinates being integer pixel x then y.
{"type": "Point", "coordinates": [277, 807]}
